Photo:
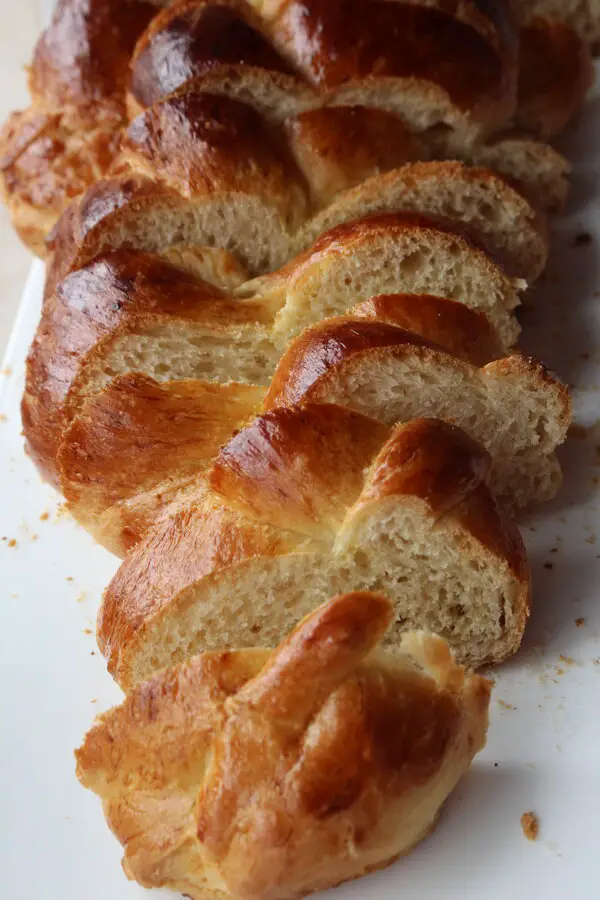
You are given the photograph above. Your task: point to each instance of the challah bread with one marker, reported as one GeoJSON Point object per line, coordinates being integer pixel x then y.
{"type": "Point", "coordinates": [223, 54]}
{"type": "Point", "coordinates": [512, 406]}
{"type": "Point", "coordinates": [430, 67]}
{"type": "Point", "coordinates": [306, 503]}
{"type": "Point", "coordinates": [69, 136]}
{"type": "Point", "coordinates": [138, 441]}
{"type": "Point", "coordinates": [131, 312]}
{"type": "Point", "coordinates": [257, 214]}
{"type": "Point", "coordinates": [269, 775]}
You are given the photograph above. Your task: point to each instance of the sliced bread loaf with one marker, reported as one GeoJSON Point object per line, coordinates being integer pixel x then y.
{"type": "Point", "coordinates": [306, 503]}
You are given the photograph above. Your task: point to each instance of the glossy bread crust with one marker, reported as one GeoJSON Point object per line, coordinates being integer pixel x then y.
{"type": "Point", "coordinates": [336, 756]}
{"type": "Point", "coordinates": [291, 481]}
{"type": "Point", "coordinates": [449, 63]}
{"type": "Point", "coordinates": [68, 137]}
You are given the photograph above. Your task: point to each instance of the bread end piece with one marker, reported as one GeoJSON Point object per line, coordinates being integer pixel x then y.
{"type": "Point", "coordinates": [261, 775]}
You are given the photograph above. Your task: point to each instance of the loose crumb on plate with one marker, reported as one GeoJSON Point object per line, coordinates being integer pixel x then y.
{"type": "Point", "coordinates": [44, 516]}
{"type": "Point", "coordinates": [580, 622]}
{"type": "Point", "coordinates": [505, 705]}
{"type": "Point", "coordinates": [530, 826]}
{"type": "Point", "coordinates": [568, 660]}
{"type": "Point", "coordinates": [12, 543]}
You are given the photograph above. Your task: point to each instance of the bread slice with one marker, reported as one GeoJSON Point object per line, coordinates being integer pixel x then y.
{"type": "Point", "coordinates": [394, 64]}
{"type": "Point", "coordinates": [402, 102]}
{"type": "Point", "coordinates": [349, 751]}
{"type": "Point", "coordinates": [131, 312]}
{"type": "Point", "coordinates": [512, 406]}
{"type": "Point", "coordinates": [238, 188]}
{"type": "Point", "coordinates": [134, 447]}
{"type": "Point", "coordinates": [314, 502]}
{"type": "Point", "coordinates": [497, 217]}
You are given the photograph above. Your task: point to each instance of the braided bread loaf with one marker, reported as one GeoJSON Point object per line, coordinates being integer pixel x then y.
{"type": "Point", "coordinates": [254, 206]}
{"type": "Point", "coordinates": [425, 80]}
{"type": "Point", "coordinates": [129, 311]}
{"type": "Point", "coordinates": [304, 767]}
{"type": "Point", "coordinates": [305, 503]}
{"type": "Point", "coordinates": [138, 441]}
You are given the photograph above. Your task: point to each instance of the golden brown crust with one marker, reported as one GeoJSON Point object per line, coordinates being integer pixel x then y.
{"type": "Point", "coordinates": [68, 137]}
{"type": "Point", "coordinates": [297, 474]}
{"type": "Point", "coordinates": [201, 539]}
{"type": "Point", "coordinates": [329, 343]}
{"type": "Point", "coordinates": [328, 749]}
{"type": "Point", "coordinates": [338, 147]}
{"type": "Point", "coordinates": [555, 74]}
{"type": "Point", "coordinates": [439, 463]}
{"type": "Point", "coordinates": [86, 312]}
{"type": "Point", "coordinates": [92, 306]}
{"type": "Point", "coordinates": [463, 331]}
{"type": "Point", "coordinates": [456, 60]}
{"type": "Point", "coordinates": [190, 39]}
{"type": "Point", "coordinates": [329, 44]}
{"type": "Point", "coordinates": [284, 467]}
{"type": "Point", "coordinates": [223, 146]}
{"type": "Point", "coordinates": [136, 433]}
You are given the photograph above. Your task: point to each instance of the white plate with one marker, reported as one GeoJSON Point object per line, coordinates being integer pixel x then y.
{"type": "Point", "coordinates": [543, 752]}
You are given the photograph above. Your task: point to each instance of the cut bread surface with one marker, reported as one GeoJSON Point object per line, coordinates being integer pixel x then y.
{"type": "Point", "coordinates": [137, 213]}
{"type": "Point", "coordinates": [129, 312]}
{"type": "Point", "coordinates": [512, 406]}
{"type": "Point", "coordinates": [405, 511]}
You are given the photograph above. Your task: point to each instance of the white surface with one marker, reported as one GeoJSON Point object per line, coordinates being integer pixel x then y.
{"type": "Point", "coordinates": [55, 845]}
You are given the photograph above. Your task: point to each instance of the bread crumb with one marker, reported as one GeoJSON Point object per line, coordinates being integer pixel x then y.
{"type": "Point", "coordinates": [568, 660]}
{"type": "Point", "coordinates": [3, 418]}
{"type": "Point", "coordinates": [34, 537]}
{"type": "Point", "coordinates": [12, 542]}
{"type": "Point", "coordinates": [580, 622]}
{"type": "Point", "coordinates": [61, 511]}
{"type": "Point", "coordinates": [69, 578]}
{"type": "Point", "coordinates": [87, 631]}
{"type": "Point", "coordinates": [81, 597]}
{"type": "Point", "coordinates": [95, 700]}
{"type": "Point", "coordinates": [530, 826]}
{"type": "Point", "coordinates": [44, 516]}
{"type": "Point", "coordinates": [7, 370]}
{"type": "Point", "coordinates": [505, 705]}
